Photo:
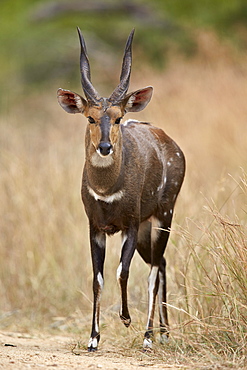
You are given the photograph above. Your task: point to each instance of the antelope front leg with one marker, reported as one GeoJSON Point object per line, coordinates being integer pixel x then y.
{"type": "Point", "coordinates": [97, 240]}
{"type": "Point", "coordinates": [128, 248]}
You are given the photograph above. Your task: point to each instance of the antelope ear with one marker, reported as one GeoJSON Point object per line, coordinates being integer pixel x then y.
{"type": "Point", "coordinates": [70, 101]}
{"type": "Point", "coordinates": [137, 100]}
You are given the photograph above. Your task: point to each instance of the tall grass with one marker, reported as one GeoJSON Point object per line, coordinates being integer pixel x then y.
{"type": "Point", "coordinates": [212, 309]}
{"type": "Point", "coordinates": [45, 267]}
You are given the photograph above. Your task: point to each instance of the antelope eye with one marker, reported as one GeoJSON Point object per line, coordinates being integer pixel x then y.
{"type": "Point", "coordinates": [90, 119]}
{"type": "Point", "coordinates": [118, 120]}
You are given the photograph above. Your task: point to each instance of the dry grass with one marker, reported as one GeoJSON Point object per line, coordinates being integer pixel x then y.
{"type": "Point", "coordinates": [45, 273]}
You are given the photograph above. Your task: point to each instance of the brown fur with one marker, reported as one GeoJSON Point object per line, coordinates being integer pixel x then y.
{"type": "Point", "coordinates": [132, 175]}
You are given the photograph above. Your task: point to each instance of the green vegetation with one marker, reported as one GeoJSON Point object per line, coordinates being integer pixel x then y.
{"type": "Point", "coordinates": [39, 42]}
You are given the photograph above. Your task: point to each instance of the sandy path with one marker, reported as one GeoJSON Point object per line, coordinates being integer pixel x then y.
{"type": "Point", "coordinates": [25, 352]}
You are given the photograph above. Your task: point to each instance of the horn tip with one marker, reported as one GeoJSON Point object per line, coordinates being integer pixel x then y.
{"type": "Point", "coordinates": [79, 33]}
{"type": "Point", "coordinates": [82, 41]}
{"type": "Point", "coordinates": [130, 39]}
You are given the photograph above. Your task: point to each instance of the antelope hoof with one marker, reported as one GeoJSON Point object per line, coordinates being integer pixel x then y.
{"type": "Point", "coordinates": [164, 338]}
{"type": "Point", "coordinates": [147, 344]}
{"type": "Point", "coordinates": [92, 345]}
{"type": "Point", "coordinates": [125, 321]}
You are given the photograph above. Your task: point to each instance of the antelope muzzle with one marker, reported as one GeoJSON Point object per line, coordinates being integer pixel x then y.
{"type": "Point", "coordinates": [105, 146]}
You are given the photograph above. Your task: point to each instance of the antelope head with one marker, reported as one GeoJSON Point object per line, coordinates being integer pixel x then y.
{"type": "Point", "coordinates": [104, 114]}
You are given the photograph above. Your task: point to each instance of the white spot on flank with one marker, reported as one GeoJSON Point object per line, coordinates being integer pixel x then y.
{"type": "Point", "coordinates": [171, 211]}
{"type": "Point", "coordinates": [108, 198]}
{"type": "Point", "coordinates": [98, 160]}
{"type": "Point", "coordinates": [160, 187]}
{"type": "Point", "coordinates": [178, 154]}
{"type": "Point", "coordinates": [165, 213]}
{"type": "Point", "coordinates": [168, 163]}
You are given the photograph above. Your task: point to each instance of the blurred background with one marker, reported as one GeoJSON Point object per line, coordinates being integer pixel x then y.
{"type": "Point", "coordinates": [194, 54]}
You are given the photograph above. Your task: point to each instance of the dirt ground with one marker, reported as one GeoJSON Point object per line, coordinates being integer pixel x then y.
{"type": "Point", "coordinates": [18, 351]}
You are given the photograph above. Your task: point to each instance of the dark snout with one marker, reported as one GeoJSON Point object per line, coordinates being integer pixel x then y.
{"type": "Point", "coordinates": [105, 148]}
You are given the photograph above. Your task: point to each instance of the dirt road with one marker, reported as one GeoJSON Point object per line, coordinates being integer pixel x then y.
{"type": "Point", "coordinates": [18, 351]}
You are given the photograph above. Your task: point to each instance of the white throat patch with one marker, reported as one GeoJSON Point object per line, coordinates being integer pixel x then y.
{"type": "Point", "coordinates": [98, 160]}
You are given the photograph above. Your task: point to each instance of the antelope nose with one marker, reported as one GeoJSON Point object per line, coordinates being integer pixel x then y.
{"type": "Point", "coordinates": [105, 148]}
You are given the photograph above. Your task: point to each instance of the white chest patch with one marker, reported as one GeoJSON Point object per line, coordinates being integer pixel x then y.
{"type": "Point", "coordinates": [108, 198]}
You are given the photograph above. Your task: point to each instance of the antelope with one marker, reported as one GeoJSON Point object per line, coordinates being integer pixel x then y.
{"type": "Point", "coordinates": [132, 175]}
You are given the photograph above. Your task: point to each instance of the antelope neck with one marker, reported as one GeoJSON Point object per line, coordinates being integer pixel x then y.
{"type": "Point", "coordinates": [106, 181]}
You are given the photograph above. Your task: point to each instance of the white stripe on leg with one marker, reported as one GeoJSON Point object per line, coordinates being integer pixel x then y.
{"type": "Point", "coordinates": [151, 285]}
{"type": "Point", "coordinates": [147, 343]}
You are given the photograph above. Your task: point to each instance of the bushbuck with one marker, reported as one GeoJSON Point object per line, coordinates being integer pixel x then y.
{"type": "Point", "coordinates": [132, 176]}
